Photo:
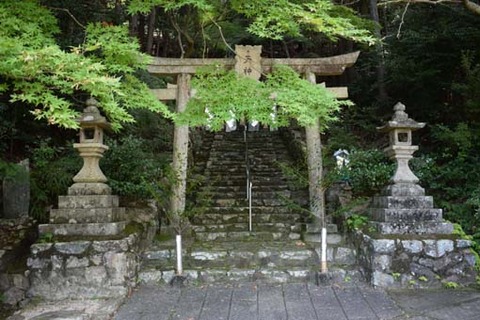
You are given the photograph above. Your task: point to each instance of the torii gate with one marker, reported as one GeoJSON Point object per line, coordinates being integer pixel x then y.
{"type": "Point", "coordinates": [249, 63]}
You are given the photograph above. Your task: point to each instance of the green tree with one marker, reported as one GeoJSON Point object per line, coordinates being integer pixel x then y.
{"type": "Point", "coordinates": [34, 69]}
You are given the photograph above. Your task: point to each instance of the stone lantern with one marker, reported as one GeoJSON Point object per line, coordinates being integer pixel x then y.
{"type": "Point", "coordinates": [90, 180]}
{"type": "Point", "coordinates": [400, 128]}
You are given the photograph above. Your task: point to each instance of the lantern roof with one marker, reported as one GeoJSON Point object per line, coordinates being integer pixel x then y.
{"type": "Point", "coordinates": [91, 116]}
{"type": "Point", "coordinates": [400, 120]}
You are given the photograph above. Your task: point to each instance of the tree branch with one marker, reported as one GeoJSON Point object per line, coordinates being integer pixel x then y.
{"type": "Point", "coordinates": [385, 3]}
{"type": "Point", "coordinates": [70, 14]}
{"type": "Point", "coordinates": [472, 6]}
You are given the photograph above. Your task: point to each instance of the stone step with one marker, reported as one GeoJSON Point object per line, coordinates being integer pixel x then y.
{"type": "Point", "coordinates": [218, 218]}
{"type": "Point", "coordinates": [243, 210]}
{"type": "Point", "coordinates": [239, 254]}
{"type": "Point", "coordinates": [231, 275]}
{"type": "Point", "coordinates": [274, 193]}
{"type": "Point", "coordinates": [256, 226]}
{"type": "Point", "coordinates": [231, 202]}
{"type": "Point", "coordinates": [248, 261]}
{"type": "Point", "coordinates": [246, 235]}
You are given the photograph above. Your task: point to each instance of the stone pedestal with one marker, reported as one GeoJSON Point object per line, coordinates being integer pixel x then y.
{"type": "Point", "coordinates": [407, 243]}
{"type": "Point", "coordinates": [83, 269]}
{"type": "Point", "coordinates": [85, 215]}
{"type": "Point", "coordinates": [84, 252]}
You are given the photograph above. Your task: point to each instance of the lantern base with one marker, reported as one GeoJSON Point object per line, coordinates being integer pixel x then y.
{"type": "Point", "coordinates": [403, 190]}
{"type": "Point", "coordinates": [94, 188]}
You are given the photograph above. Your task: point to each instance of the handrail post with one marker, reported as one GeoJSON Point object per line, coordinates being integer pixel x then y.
{"type": "Point", "coordinates": [249, 181]}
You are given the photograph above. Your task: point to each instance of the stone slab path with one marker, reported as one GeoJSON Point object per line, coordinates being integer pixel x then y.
{"type": "Point", "coordinates": [297, 301]}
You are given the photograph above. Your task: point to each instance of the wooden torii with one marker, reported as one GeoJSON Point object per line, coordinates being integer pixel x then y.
{"type": "Point", "coordinates": [249, 63]}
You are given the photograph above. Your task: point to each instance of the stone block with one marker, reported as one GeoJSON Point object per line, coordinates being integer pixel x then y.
{"type": "Point", "coordinates": [463, 243]}
{"type": "Point", "coordinates": [381, 279]}
{"type": "Point", "coordinates": [334, 238]}
{"type": "Point", "coordinates": [16, 193]}
{"type": "Point", "coordinates": [383, 245]}
{"type": "Point", "coordinates": [438, 248]}
{"type": "Point", "coordinates": [117, 267]}
{"type": "Point", "coordinates": [37, 248]}
{"type": "Point", "coordinates": [150, 276]}
{"type": "Point", "coordinates": [208, 255]}
{"type": "Point", "coordinates": [74, 262]}
{"type": "Point", "coordinates": [412, 246]}
{"type": "Point", "coordinates": [296, 255]}
{"type": "Point", "coordinates": [13, 296]}
{"type": "Point", "coordinates": [88, 201]}
{"type": "Point", "coordinates": [405, 215]}
{"type": "Point", "coordinates": [83, 229]}
{"type": "Point", "coordinates": [56, 262]}
{"type": "Point", "coordinates": [382, 262]}
{"type": "Point", "coordinates": [76, 247]}
{"type": "Point", "coordinates": [345, 256]}
{"type": "Point", "coordinates": [20, 281]}
{"type": "Point", "coordinates": [36, 263]}
{"type": "Point", "coordinates": [294, 236]}
{"type": "Point", "coordinates": [96, 275]}
{"type": "Point", "coordinates": [110, 245]}
{"type": "Point", "coordinates": [420, 228]}
{"type": "Point", "coordinates": [406, 202]}
{"type": "Point", "coordinates": [87, 215]}
{"type": "Point", "coordinates": [403, 190]}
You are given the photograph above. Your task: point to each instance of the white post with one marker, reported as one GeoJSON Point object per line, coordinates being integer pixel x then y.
{"type": "Point", "coordinates": [250, 207]}
{"type": "Point", "coordinates": [323, 266]}
{"type": "Point", "coordinates": [179, 254]}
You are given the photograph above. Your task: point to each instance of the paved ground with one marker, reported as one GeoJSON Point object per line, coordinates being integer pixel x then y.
{"type": "Point", "coordinates": [297, 302]}
{"type": "Point", "coordinates": [293, 301]}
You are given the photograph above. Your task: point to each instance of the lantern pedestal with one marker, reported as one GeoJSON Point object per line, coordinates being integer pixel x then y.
{"type": "Point", "coordinates": [407, 243]}
{"type": "Point", "coordinates": [85, 253]}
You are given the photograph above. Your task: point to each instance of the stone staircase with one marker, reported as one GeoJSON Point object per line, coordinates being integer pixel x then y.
{"type": "Point", "coordinates": [222, 247]}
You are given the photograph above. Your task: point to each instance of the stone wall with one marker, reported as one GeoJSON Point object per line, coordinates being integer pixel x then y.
{"type": "Point", "coordinates": [16, 235]}
{"type": "Point", "coordinates": [83, 269]}
{"type": "Point", "coordinates": [414, 261]}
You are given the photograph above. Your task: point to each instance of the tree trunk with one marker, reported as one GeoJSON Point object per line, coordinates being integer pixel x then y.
{"type": "Point", "coordinates": [315, 168]}
{"type": "Point", "coordinates": [382, 92]}
{"type": "Point", "coordinates": [151, 28]}
{"type": "Point", "coordinates": [180, 148]}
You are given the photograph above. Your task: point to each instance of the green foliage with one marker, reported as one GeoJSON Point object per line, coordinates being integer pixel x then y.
{"type": "Point", "coordinates": [451, 285]}
{"type": "Point", "coordinates": [46, 238]}
{"type": "Point", "coordinates": [131, 167]}
{"type": "Point", "coordinates": [301, 100]}
{"type": "Point", "coordinates": [51, 175]}
{"type": "Point", "coordinates": [356, 221]}
{"type": "Point", "coordinates": [228, 95]}
{"type": "Point", "coordinates": [451, 175]}
{"type": "Point", "coordinates": [368, 171]}
{"type": "Point", "coordinates": [145, 6]}
{"type": "Point", "coordinates": [161, 191]}
{"type": "Point", "coordinates": [12, 171]}
{"type": "Point", "coordinates": [36, 71]}
{"type": "Point", "coordinates": [274, 20]}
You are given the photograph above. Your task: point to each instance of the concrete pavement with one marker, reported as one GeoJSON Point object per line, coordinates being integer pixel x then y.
{"type": "Point", "coordinates": [251, 301]}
